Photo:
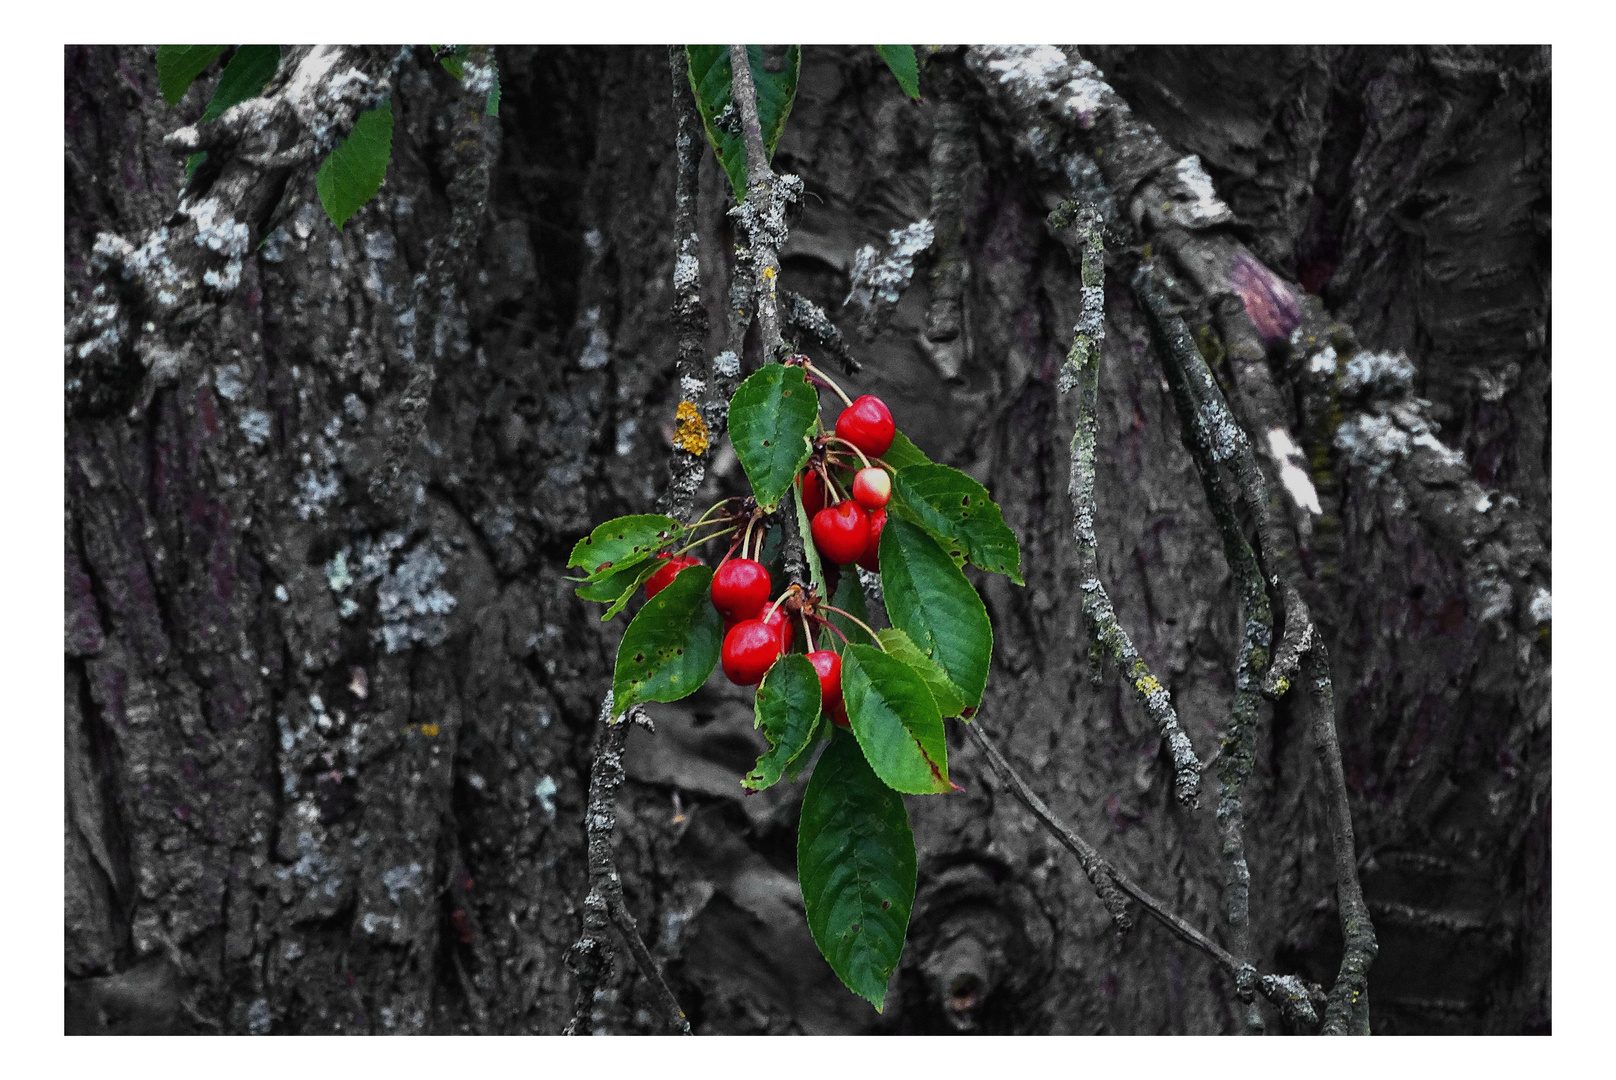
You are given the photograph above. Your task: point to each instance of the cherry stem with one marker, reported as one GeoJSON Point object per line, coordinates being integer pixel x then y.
{"type": "Point", "coordinates": [705, 539]}
{"type": "Point", "coordinates": [828, 381]}
{"type": "Point", "coordinates": [831, 485]}
{"type": "Point", "coordinates": [699, 522]}
{"type": "Point", "coordinates": [832, 627]}
{"type": "Point", "coordinates": [747, 537]}
{"type": "Point", "coordinates": [856, 450]}
{"type": "Point", "coordinates": [861, 622]}
{"type": "Point", "coordinates": [807, 631]}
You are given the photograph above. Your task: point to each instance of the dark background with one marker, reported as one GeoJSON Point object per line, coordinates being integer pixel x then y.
{"type": "Point", "coordinates": [310, 795]}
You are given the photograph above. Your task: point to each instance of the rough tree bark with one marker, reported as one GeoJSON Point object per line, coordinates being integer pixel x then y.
{"type": "Point", "coordinates": [328, 736]}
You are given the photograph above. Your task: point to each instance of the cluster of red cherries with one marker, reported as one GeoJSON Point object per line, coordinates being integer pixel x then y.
{"type": "Point", "coordinates": [845, 530]}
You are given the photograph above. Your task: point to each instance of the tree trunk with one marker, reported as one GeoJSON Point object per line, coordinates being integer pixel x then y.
{"type": "Point", "coordinates": [328, 733]}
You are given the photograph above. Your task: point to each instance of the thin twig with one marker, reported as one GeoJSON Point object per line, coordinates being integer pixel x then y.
{"type": "Point", "coordinates": [1348, 1010]}
{"type": "Point", "coordinates": [1082, 371]}
{"type": "Point", "coordinates": [1286, 992]}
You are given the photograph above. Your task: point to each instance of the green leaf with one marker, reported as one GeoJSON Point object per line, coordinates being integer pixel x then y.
{"type": "Point", "coordinates": [710, 75]}
{"type": "Point", "coordinates": [618, 544]}
{"type": "Point", "coordinates": [194, 162]}
{"type": "Point", "coordinates": [617, 589]}
{"type": "Point", "coordinates": [672, 645]}
{"type": "Point", "coordinates": [245, 76]}
{"type": "Point", "coordinates": [770, 417]}
{"type": "Point", "coordinates": [179, 65]}
{"type": "Point", "coordinates": [929, 599]}
{"type": "Point", "coordinates": [787, 711]}
{"type": "Point", "coordinates": [950, 702]}
{"type": "Point", "coordinates": [901, 59]}
{"type": "Point", "coordinates": [896, 721]}
{"type": "Point", "coordinates": [822, 731]}
{"type": "Point", "coordinates": [960, 513]}
{"type": "Point", "coordinates": [351, 174]}
{"type": "Point", "coordinates": [903, 453]}
{"type": "Point", "coordinates": [856, 866]}
{"type": "Point", "coordinates": [850, 598]}
{"type": "Point", "coordinates": [454, 61]}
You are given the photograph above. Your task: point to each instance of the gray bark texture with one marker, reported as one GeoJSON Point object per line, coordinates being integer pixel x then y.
{"type": "Point", "coordinates": [330, 703]}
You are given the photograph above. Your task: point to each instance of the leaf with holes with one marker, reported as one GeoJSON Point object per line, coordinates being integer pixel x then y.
{"type": "Point", "coordinates": [788, 712]}
{"type": "Point", "coordinates": [856, 867]}
{"type": "Point", "coordinates": [959, 512]}
{"type": "Point", "coordinates": [929, 599]}
{"type": "Point", "coordinates": [179, 65]}
{"type": "Point", "coordinates": [896, 721]}
{"type": "Point", "coordinates": [245, 76]}
{"type": "Point", "coordinates": [770, 417]}
{"type": "Point", "coordinates": [617, 589]}
{"type": "Point", "coordinates": [710, 76]}
{"type": "Point", "coordinates": [672, 645]}
{"type": "Point", "coordinates": [620, 543]}
{"type": "Point", "coordinates": [352, 174]}
{"type": "Point", "coordinates": [901, 60]}
{"type": "Point", "coordinates": [950, 702]}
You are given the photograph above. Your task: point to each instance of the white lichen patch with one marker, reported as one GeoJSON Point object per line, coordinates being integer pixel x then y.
{"type": "Point", "coordinates": [336, 571]}
{"type": "Point", "coordinates": [1385, 373]}
{"type": "Point", "coordinates": [884, 277]}
{"type": "Point", "coordinates": [597, 350]}
{"type": "Point", "coordinates": [1288, 456]}
{"type": "Point", "coordinates": [1540, 607]}
{"type": "Point", "coordinates": [686, 272]}
{"type": "Point", "coordinates": [1323, 362]}
{"type": "Point", "coordinates": [228, 381]}
{"type": "Point", "coordinates": [1027, 68]}
{"type": "Point", "coordinates": [255, 424]}
{"type": "Point", "coordinates": [625, 436]}
{"type": "Point", "coordinates": [726, 364]}
{"type": "Point", "coordinates": [1194, 201]}
{"type": "Point", "coordinates": [545, 792]}
{"type": "Point", "coordinates": [398, 880]}
{"type": "Point", "coordinates": [410, 601]}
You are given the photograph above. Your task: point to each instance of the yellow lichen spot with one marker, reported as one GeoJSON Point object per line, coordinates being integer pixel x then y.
{"type": "Point", "coordinates": [1147, 685]}
{"type": "Point", "coordinates": [1281, 685]}
{"type": "Point", "coordinates": [768, 273]}
{"type": "Point", "coordinates": [429, 730]}
{"type": "Point", "coordinates": [690, 430]}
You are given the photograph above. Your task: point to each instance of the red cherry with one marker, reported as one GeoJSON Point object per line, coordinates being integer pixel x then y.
{"type": "Point", "coordinates": [867, 424]}
{"type": "Point", "coordinates": [667, 572]}
{"type": "Point", "coordinates": [841, 531]}
{"type": "Point", "coordinates": [740, 589]}
{"type": "Point", "coordinates": [829, 668]}
{"type": "Point", "coordinates": [782, 626]}
{"type": "Point", "coordinates": [870, 560]}
{"type": "Point", "coordinates": [872, 487]}
{"type": "Point", "coordinates": [750, 649]}
{"type": "Point", "coordinates": [812, 487]}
